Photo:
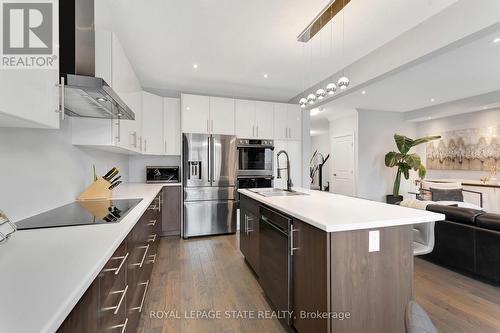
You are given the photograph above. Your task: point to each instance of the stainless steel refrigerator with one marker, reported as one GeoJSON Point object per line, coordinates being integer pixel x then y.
{"type": "Point", "coordinates": [209, 179]}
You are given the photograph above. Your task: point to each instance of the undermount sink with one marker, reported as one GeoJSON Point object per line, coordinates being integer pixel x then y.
{"type": "Point", "coordinates": [276, 192]}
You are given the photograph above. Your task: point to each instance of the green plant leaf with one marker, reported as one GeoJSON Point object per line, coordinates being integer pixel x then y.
{"type": "Point", "coordinates": [422, 171]}
{"type": "Point", "coordinates": [425, 139]}
{"type": "Point", "coordinates": [392, 159]}
{"type": "Point", "coordinates": [413, 160]}
{"type": "Point", "coordinates": [403, 143]}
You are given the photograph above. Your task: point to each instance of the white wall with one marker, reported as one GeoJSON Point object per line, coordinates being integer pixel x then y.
{"type": "Point", "coordinates": [322, 144]}
{"type": "Point", "coordinates": [376, 131]}
{"type": "Point", "coordinates": [137, 165]}
{"type": "Point", "coordinates": [41, 170]}
{"type": "Point", "coordinates": [463, 121]}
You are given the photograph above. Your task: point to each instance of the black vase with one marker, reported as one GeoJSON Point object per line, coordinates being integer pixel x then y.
{"type": "Point", "coordinates": [393, 199]}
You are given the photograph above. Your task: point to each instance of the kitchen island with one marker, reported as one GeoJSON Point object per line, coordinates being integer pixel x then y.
{"type": "Point", "coordinates": [336, 263]}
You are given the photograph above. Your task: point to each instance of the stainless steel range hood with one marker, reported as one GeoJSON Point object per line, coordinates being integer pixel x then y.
{"type": "Point", "coordinates": [85, 94]}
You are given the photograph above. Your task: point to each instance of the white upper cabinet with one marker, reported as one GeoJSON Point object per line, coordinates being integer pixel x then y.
{"type": "Point", "coordinates": [287, 122]}
{"type": "Point", "coordinates": [221, 115]}
{"type": "Point", "coordinates": [245, 119]}
{"type": "Point", "coordinates": [264, 120]}
{"type": "Point", "coordinates": [280, 121]}
{"type": "Point", "coordinates": [152, 124]}
{"type": "Point", "coordinates": [294, 121]}
{"type": "Point", "coordinates": [30, 97]}
{"type": "Point", "coordinates": [195, 114]}
{"type": "Point", "coordinates": [172, 126]}
{"type": "Point", "coordinates": [131, 130]}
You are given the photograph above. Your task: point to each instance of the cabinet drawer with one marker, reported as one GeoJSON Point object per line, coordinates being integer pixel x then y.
{"type": "Point", "coordinates": [113, 275]}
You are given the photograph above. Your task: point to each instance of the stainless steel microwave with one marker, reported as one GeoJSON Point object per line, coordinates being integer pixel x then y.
{"type": "Point", "coordinates": [162, 174]}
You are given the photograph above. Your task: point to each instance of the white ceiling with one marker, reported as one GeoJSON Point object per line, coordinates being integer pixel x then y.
{"type": "Point", "coordinates": [235, 42]}
{"type": "Point", "coordinates": [466, 75]}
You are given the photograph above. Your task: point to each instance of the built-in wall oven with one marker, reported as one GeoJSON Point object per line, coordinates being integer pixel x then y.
{"type": "Point", "coordinates": [255, 157]}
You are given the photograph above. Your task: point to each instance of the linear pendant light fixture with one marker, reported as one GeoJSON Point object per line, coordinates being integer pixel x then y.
{"type": "Point", "coordinates": [325, 16]}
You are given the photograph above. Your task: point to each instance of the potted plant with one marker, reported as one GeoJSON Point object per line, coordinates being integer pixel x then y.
{"type": "Point", "coordinates": [405, 162]}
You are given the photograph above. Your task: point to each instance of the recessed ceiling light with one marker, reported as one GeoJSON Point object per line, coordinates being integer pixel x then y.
{"type": "Point", "coordinates": [195, 66]}
{"type": "Point", "coordinates": [429, 118]}
{"type": "Point", "coordinates": [363, 92]}
{"type": "Point", "coordinates": [265, 76]}
{"type": "Point", "coordinates": [485, 107]}
{"type": "Point", "coordinates": [101, 99]}
{"type": "Point", "coordinates": [496, 40]}
{"type": "Point", "coordinates": [433, 100]}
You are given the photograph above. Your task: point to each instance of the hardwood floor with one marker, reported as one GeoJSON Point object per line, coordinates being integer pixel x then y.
{"type": "Point", "coordinates": [210, 274]}
{"type": "Point", "coordinates": [456, 303]}
{"type": "Point", "coordinates": [204, 274]}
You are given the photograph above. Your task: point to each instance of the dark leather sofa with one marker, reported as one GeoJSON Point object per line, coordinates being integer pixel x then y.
{"type": "Point", "coordinates": [468, 241]}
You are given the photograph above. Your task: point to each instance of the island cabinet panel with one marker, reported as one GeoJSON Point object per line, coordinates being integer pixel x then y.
{"type": "Point", "coordinates": [311, 278]}
{"type": "Point", "coordinates": [374, 287]}
{"type": "Point", "coordinates": [249, 232]}
{"type": "Point", "coordinates": [115, 300]}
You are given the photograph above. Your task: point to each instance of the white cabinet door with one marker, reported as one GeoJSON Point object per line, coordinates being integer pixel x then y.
{"type": "Point", "coordinates": [221, 115]}
{"type": "Point", "coordinates": [152, 123]}
{"type": "Point", "coordinates": [294, 149]}
{"type": "Point", "coordinates": [264, 119]}
{"type": "Point", "coordinates": [278, 146]}
{"type": "Point", "coordinates": [294, 121]}
{"type": "Point", "coordinates": [172, 125]}
{"type": "Point", "coordinates": [245, 119]}
{"type": "Point", "coordinates": [130, 130]}
{"type": "Point", "coordinates": [280, 121]}
{"type": "Point", "coordinates": [195, 114]}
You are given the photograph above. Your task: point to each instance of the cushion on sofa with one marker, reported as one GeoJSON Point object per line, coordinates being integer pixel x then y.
{"type": "Point", "coordinates": [456, 214]}
{"type": "Point", "coordinates": [439, 194]}
{"type": "Point", "coordinates": [489, 221]}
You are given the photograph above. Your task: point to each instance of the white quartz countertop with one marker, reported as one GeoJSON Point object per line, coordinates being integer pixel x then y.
{"type": "Point", "coordinates": [44, 272]}
{"type": "Point", "coordinates": [333, 213]}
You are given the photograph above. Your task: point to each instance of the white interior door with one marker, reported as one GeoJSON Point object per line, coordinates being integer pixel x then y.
{"type": "Point", "coordinates": [342, 163]}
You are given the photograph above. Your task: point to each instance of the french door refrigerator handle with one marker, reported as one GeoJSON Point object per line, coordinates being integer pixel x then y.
{"type": "Point", "coordinates": [209, 164]}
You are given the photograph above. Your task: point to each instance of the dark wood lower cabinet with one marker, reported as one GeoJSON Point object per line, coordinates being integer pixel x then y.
{"type": "Point", "coordinates": [249, 232]}
{"type": "Point", "coordinates": [115, 300]}
{"type": "Point", "coordinates": [171, 211]}
{"type": "Point", "coordinates": [311, 276]}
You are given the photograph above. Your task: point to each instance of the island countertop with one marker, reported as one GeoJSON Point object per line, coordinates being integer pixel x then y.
{"type": "Point", "coordinates": [333, 212]}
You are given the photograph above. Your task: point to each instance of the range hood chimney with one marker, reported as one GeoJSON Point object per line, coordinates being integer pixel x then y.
{"type": "Point", "coordinates": [85, 94]}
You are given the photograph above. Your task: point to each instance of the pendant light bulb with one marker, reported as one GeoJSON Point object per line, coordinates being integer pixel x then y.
{"type": "Point", "coordinates": [343, 83]}
{"type": "Point", "coordinates": [311, 98]}
{"type": "Point", "coordinates": [331, 88]}
{"type": "Point", "coordinates": [320, 93]}
{"type": "Point", "coordinates": [303, 102]}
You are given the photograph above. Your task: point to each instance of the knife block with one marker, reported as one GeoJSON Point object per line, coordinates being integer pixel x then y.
{"type": "Point", "coordinates": [99, 190]}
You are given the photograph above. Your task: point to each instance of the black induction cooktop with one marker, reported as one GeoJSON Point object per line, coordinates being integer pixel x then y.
{"type": "Point", "coordinates": [81, 213]}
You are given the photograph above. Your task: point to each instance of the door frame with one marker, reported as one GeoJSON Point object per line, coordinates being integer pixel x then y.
{"type": "Point", "coordinates": [354, 157]}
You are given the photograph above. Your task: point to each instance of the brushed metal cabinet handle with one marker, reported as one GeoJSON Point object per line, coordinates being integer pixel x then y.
{"type": "Point", "coordinates": [146, 284]}
{"type": "Point", "coordinates": [117, 270]}
{"type": "Point", "coordinates": [292, 248]}
{"type": "Point", "coordinates": [140, 264]}
{"type": "Point", "coordinates": [117, 307]}
{"type": "Point", "coordinates": [60, 109]}
{"type": "Point", "coordinates": [122, 326]}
